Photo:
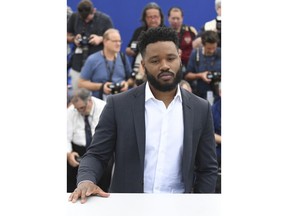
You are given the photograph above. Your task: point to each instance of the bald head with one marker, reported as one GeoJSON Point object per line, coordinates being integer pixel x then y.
{"type": "Point", "coordinates": [110, 31]}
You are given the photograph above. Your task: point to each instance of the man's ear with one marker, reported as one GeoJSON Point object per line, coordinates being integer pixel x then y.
{"type": "Point", "coordinates": [142, 63]}
{"type": "Point", "coordinates": [179, 52]}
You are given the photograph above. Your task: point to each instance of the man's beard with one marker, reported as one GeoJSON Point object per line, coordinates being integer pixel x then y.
{"type": "Point", "coordinates": [166, 86]}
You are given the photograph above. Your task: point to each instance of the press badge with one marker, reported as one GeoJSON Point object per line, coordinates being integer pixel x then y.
{"type": "Point", "coordinates": [78, 50]}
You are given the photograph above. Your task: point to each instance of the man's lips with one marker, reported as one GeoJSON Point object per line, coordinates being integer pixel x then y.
{"type": "Point", "coordinates": [165, 75]}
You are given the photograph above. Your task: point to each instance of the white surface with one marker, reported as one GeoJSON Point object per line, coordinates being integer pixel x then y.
{"type": "Point", "coordinates": [148, 204]}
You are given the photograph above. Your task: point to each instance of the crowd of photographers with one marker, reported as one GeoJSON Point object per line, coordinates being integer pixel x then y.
{"type": "Point", "coordinates": [96, 63]}
{"type": "Point", "coordinates": [200, 52]}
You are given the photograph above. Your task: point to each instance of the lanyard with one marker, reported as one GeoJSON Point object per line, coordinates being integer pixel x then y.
{"type": "Point", "coordinates": [110, 70]}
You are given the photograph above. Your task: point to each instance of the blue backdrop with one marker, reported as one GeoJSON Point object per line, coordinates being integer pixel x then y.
{"type": "Point", "coordinates": [126, 14]}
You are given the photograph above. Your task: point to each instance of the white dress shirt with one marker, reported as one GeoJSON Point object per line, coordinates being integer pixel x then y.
{"type": "Point", "coordinates": [76, 125]}
{"type": "Point", "coordinates": [164, 144]}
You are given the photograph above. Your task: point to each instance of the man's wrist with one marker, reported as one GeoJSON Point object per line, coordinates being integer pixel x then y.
{"type": "Point", "coordinates": [84, 181]}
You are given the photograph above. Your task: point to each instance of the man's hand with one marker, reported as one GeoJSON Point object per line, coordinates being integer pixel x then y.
{"type": "Point", "coordinates": [71, 157]}
{"type": "Point", "coordinates": [106, 88]}
{"type": "Point", "coordinates": [95, 39]}
{"type": "Point", "coordinates": [124, 85]}
{"type": "Point", "coordinates": [86, 189]}
{"type": "Point", "coordinates": [76, 40]}
{"type": "Point", "coordinates": [204, 77]}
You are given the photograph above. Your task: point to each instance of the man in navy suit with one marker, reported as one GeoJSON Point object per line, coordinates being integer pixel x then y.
{"type": "Point", "coordinates": [161, 135]}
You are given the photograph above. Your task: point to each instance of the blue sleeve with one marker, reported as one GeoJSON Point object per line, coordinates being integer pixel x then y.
{"type": "Point", "coordinates": [128, 68]}
{"type": "Point", "coordinates": [86, 71]}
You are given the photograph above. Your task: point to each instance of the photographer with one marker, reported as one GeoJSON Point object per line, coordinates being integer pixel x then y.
{"type": "Point", "coordinates": [84, 108]}
{"type": "Point", "coordinates": [85, 29]}
{"type": "Point", "coordinates": [186, 34]}
{"type": "Point", "coordinates": [152, 16]}
{"type": "Point", "coordinates": [214, 25]}
{"type": "Point", "coordinates": [204, 67]}
{"type": "Point", "coordinates": [107, 71]}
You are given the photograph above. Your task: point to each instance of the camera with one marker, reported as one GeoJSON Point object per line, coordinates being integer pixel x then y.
{"type": "Point", "coordinates": [214, 75]}
{"type": "Point", "coordinates": [84, 43]}
{"type": "Point", "coordinates": [115, 88]}
{"type": "Point", "coordinates": [134, 46]}
{"type": "Point", "coordinates": [218, 28]}
{"type": "Point", "coordinates": [137, 77]}
{"type": "Point", "coordinates": [84, 40]}
{"type": "Point", "coordinates": [218, 25]}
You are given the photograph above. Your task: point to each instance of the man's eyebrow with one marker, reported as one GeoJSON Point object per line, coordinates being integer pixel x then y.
{"type": "Point", "coordinates": [169, 55]}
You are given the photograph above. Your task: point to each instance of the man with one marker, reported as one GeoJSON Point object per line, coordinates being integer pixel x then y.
{"type": "Point", "coordinates": [186, 33]}
{"type": "Point", "coordinates": [162, 136]}
{"type": "Point", "coordinates": [204, 67]}
{"type": "Point", "coordinates": [152, 16]}
{"type": "Point", "coordinates": [83, 105]}
{"type": "Point", "coordinates": [106, 68]}
{"type": "Point", "coordinates": [85, 29]}
{"type": "Point", "coordinates": [213, 25]}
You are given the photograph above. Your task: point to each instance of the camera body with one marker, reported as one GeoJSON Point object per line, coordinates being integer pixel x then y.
{"type": "Point", "coordinates": [134, 46]}
{"type": "Point", "coordinates": [84, 43]}
{"type": "Point", "coordinates": [214, 75]}
{"type": "Point", "coordinates": [137, 77]}
{"type": "Point", "coordinates": [218, 28]}
{"type": "Point", "coordinates": [218, 25]}
{"type": "Point", "coordinates": [115, 88]}
{"type": "Point", "coordinates": [84, 40]}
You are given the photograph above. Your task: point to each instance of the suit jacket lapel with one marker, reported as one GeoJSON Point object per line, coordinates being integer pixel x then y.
{"type": "Point", "coordinates": [188, 148]}
{"type": "Point", "coordinates": [139, 121]}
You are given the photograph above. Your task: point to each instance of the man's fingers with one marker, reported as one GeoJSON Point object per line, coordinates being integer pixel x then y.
{"type": "Point", "coordinates": [97, 191]}
{"type": "Point", "coordinates": [83, 195]}
{"type": "Point", "coordinates": [85, 190]}
{"type": "Point", "coordinates": [70, 197]}
{"type": "Point", "coordinates": [101, 193]}
{"type": "Point", "coordinates": [92, 190]}
{"type": "Point", "coordinates": [74, 196]}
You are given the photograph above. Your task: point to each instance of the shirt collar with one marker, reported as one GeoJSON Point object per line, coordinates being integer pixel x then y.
{"type": "Point", "coordinates": [92, 108]}
{"type": "Point", "coordinates": [149, 94]}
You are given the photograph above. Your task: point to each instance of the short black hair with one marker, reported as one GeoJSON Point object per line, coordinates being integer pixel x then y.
{"type": "Point", "coordinates": [153, 35]}
{"type": "Point", "coordinates": [176, 8]}
{"type": "Point", "coordinates": [209, 37]}
{"type": "Point", "coordinates": [85, 7]}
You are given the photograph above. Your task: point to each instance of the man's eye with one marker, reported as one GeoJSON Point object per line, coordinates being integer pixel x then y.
{"type": "Point", "coordinates": [171, 59]}
{"type": "Point", "coordinates": [154, 61]}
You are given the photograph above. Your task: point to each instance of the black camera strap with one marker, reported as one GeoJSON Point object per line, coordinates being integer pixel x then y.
{"type": "Point", "coordinates": [123, 58]}
{"type": "Point", "coordinates": [109, 70]}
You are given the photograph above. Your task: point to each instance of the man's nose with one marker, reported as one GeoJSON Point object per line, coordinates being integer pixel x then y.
{"type": "Point", "coordinates": [164, 66]}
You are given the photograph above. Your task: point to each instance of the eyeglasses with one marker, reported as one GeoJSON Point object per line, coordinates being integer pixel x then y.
{"type": "Point", "coordinates": [153, 17]}
{"type": "Point", "coordinates": [116, 41]}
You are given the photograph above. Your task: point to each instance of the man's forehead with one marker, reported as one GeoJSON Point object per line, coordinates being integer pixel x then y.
{"type": "Point", "coordinates": [79, 102]}
{"type": "Point", "coordinates": [161, 47]}
{"type": "Point", "coordinates": [158, 44]}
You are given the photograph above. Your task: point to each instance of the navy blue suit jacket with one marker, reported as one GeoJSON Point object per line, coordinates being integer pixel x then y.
{"type": "Point", "coordinates": [121, 131]}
